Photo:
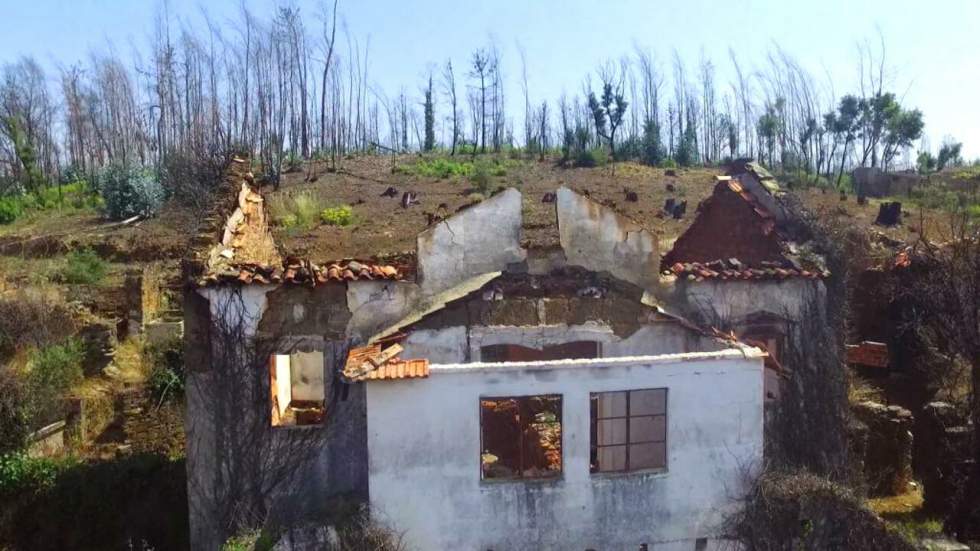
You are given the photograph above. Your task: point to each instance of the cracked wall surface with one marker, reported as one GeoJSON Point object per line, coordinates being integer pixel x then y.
{"type": "Point", "coordinates": [599, 239]}
{"type": "Point", "coordinates": [483, 238]}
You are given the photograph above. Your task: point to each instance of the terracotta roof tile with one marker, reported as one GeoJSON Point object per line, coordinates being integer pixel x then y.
{"type": "Point", "coordinates": [295, 271]}
{"type": "Point", "coordinates": [733, 269]}
{"type": "Point", "coordinates": [371, 363]}
{"type": "Point", "coordinates": [400, 369]}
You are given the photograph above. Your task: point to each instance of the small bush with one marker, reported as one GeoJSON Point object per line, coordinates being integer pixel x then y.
{"type": "Point", "coordinates": [167, 373]}
{"type": "Point", "coordinates": [19, 472]}
{"type": "Point", "coordinates": [10, 209]}
{"type": "Point", "coordinates": [588, 158]}
{"type": "Point", "coordinates": [481, 177]}
{"type": "Point", "coordinates": [32, 318]}
{"type": "Point", "coordinates": [669, 163]}
{"type": "Point", "coordinates": [337, 216]}
{"type": "Point", "coordinates": [83, 267]}
{"type": "Point", "coordinates": [296, 211]}
{"type": "Point", "coordinates": [56, 369]}
{"type": "Point", "coordinates": [129, 191]}
{"type": "Point", "coordinates": [253, 540]}
{"type": "Point", "coordinates": [439, 168]}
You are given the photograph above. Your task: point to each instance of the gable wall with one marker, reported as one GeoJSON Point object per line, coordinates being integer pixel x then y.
{"type": "Point", "coordinates": [726, 227]}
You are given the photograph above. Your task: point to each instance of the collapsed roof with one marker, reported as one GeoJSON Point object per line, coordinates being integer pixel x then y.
{"type": "Point", "coordinates": [742, 232]}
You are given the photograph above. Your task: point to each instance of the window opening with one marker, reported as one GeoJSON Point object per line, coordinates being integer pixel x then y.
{"type": "Point", "coordinates": [520, 437]}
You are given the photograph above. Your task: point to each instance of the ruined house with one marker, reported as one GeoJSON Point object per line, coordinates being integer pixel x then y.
{"type": "Point", "coordinates": [742, 267]}
{"type": "Point", "coordinates": [477, 393]}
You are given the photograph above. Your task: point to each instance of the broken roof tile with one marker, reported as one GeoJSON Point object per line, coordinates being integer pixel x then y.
{"type": "Point", "coordinates": [295, 271]}
{"type": "Point", "coordinates": [371, 363]}
{"type": "Point", "coordinates": [730, 269]}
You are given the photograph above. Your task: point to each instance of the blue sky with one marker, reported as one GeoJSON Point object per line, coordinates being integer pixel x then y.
{"type": "Point", "coordinates": [932, 47]}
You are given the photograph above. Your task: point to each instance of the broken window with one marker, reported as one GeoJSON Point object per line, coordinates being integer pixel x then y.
{"type": "Point", "coordinates": [520, 437]}
{"type": "Point", "coordinates": [575, 350]}
{"type": "Point", "coordinates": [629, 430]}
{"type": "Point", "coordinates": [297, 388]}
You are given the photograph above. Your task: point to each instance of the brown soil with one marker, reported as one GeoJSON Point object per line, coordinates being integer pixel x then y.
{"type": "Point", "coordinates": [51, 233]}
{"type": "Point", "coordinates": [382, 228]}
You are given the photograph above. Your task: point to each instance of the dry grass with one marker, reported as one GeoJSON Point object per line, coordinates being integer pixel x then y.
{"type": "Point", "coordinates": [903, 513]}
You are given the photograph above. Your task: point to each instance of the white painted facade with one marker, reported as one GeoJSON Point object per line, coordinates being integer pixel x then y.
{"type": "Point", "coordinates": [424, 455]}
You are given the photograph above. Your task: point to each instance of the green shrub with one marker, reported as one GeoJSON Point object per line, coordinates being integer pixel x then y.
{"type": "Point", "coordinates": [10, 209]}
{"type": "Point", "coordinates": [439, 167]}
{"type": "Point", "coordinates": [337, 216]}
{"type": "Point", "coordinates": [588, 158]}
{"type": "Point", "coordinates": [19, 472]}
{"type": "Point", "coordinates": [167, 374]}
{"type": "Point", "coordinates": [252, 540]}
{"type": "Point", "coordinates": [669, 163]}
{"type": "Point", "coordinates": [301, 210]}
{"type": "Point", "coordinates": [56, 369]}
{"type": "Point", "coordinates": [129, 191]}
{"type": "Point", "coordinates": [481, 177]}
{"type": "Point", "coordinates": [83, 267]}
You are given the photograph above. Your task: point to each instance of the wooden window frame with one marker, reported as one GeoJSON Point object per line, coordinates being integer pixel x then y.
{"type": "Point", "coordinates": [520, 476]}
{"type": "Point", "coordinates": [595, 447]}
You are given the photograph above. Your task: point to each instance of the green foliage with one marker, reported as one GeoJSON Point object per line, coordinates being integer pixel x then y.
{"type": "Point", "coordinates": [925, 162]}
{"type": "Point", "coordinates": [337, 216]}
{"type": "Point", "coordinates": [481, 177]}
{"type": "Point", "coordinates": [252, 540]}
{"type": "Point", "coordinates": [611, 108]}
{"type": "Point", "coordinates": [10, 209]}
{"type": "Point", "coordinates": [31, 176]}
{"type": "Point", "coordinates": [56, 369]}
{"type": "Point", "coordinates": [588, 158]}
{"type": "Point", "coordinates": [167, 373]}
{"type": "Point", "coordinates": [298, 211]}
{"type": "Point", "coordinates": [686, 153]}
{"type": "Point", "coordinates": [439, 167]}
{"type": "Point", "coordinates": [129, 191]}
{"type": "Point", "coordinates": [74, 195]}
{"type": "Point", "coordinates": [768, 128]}
{"type": "Point", "coordinates": [669, 163]}
{"type": "Point", "coordinates": [949, 155]}
{"type": "Point", "coordinates": [20, 472]}
{"type": "Point", "coordinates": [83, 267]}
{"type": "Point", "coordinates": [651, 148]}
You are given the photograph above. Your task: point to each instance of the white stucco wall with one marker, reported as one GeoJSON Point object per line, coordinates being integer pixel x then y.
{"type": "Point", "coordinates": [598, 238]}
{"type": "Point", "coordinates": [733, 301]}
{"type": "Point", "coordinates": [424, 450]}
{"type": "Point", "coordinates": [483, 238]}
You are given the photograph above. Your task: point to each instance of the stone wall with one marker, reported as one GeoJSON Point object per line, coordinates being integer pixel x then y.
{"type": "Point", "coordinates": [943, 442]}
{"type": "Point", "coordinates": [888, 455]}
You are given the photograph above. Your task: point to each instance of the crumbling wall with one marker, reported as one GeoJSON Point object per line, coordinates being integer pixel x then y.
{"type": "Point", "coordinates": [888, 454]}
{"type": "Point", "coordinates": [482, 238]}
{"type": "Point", "coordinates": [943, 442]}
{"type": "Point", "coordinates": [375, 305]}
{"type": "Point", "coordinates": [599, 239]}
{"type": "Point", "coordinates": [238, 464]}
